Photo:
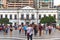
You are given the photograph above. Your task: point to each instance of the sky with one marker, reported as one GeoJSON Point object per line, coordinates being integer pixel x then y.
{"type": "Point", "coordinates": [56, 2]}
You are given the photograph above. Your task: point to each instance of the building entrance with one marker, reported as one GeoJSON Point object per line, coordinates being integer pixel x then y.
{"type": "Point", "coordinates": [27, 23]}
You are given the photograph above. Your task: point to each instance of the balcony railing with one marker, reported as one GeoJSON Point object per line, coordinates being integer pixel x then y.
{"type": "Point", "coordinates": [22, 18]}
{"type": "Point", "coordinates": [32, 18]}
{"type": "Point", "coordinates": [28, 18]}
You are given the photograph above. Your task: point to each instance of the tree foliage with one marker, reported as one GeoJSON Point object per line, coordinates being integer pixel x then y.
{"type": "Point", "coordinates": [47, 19]}
{"type": "Point", "coordinates": [4, 21]}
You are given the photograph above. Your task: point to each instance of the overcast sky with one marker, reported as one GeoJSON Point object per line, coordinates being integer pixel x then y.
{"type": "Point", "coordinates": [56, 2]}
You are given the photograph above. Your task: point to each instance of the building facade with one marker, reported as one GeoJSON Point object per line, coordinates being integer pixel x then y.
{"type": "Point", "coordinates": [27, 15]}
{"type": "Point", "coordinates": [58, 22]}
{"type": "Point", "coordinates": [32, 3]}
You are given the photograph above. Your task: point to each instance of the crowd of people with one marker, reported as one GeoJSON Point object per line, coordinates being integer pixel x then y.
{"type": "Point", "coordinates": [30, 30]}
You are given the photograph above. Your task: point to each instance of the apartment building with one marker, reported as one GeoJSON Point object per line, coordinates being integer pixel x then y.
{"type": "Point", "coordinates": [1, 3]}
{"type": "Point", "coordinates": [44, 3]}
{"type": "Point", "coordinates": [22, 3]}
{"type": "Point", "coordinates": [17, 3]}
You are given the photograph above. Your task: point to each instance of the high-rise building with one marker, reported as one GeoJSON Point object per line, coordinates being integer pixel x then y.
{"type": "Point", "coordinates": [4, 3]}
{"type": "Point", "coordinates": [1, 3]}
{"type": "Point", "coordinates": [31, 3]}
{"type": "Point", "coordinates": [44, 3]}
{"type": "Point", "coordinates": [18, 3]}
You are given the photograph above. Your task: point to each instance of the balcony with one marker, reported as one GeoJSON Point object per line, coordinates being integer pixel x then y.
{"type": "Point", "coordinates": [27, 19]}
{"type": "Point", "coordinates": [21, 18]}
{"type": "Point", "coordinates": [32, 18]}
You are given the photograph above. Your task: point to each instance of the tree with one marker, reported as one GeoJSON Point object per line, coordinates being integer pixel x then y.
{"type": "Point", "coordinates": [5, 21]}
{"type": "Point", "coordinates": [48, 19]}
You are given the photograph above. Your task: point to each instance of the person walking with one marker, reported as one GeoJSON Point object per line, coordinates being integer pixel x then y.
{"type": "Point", "coordinates": [29, 32]}
{"type": "Point", "coordinates": [46, 28]}
{"type": "Point", "coordinates": [25, 29]}
{"type": "Point", "coordinates": [50, 29]}
{"type": "Point", "coordinates": [6, 29]}
{"type": "Point", "coordinates": [19, 28]}
{"type": "Point", "coordinates": [11, 29]}
{"type": "Point", "coordinates": [53, 29]}
{"type": "Point", "coordinates": [35, 30]}
{"type": "Point", "coordinates": [40, 29]}
{"type": "Point", "coordinates": [16, 27]}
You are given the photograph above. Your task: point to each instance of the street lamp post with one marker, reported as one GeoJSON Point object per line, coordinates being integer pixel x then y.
{"type": "Point", "coordinates": [25, 20]}
{"type": "Point", "coordinates": [37, 16]}
{"type": "Point", "coordinates": [18, 15]}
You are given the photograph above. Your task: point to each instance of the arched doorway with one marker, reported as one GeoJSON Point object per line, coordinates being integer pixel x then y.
{"type": "Point", "coordinates": [27, 23]}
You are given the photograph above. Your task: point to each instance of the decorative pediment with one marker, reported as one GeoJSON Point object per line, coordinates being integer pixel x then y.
{"type": "Point", "coordinates": [27, 7]}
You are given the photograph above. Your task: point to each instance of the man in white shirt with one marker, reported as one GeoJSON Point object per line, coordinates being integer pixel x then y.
{"type": "Point", "coordinates": [29, 32]}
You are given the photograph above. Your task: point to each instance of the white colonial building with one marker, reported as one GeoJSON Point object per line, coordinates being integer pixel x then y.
{"type": "Point", "coordinates": [58, 17]}
{"type": "Point", "coordinates": [27, 14]}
